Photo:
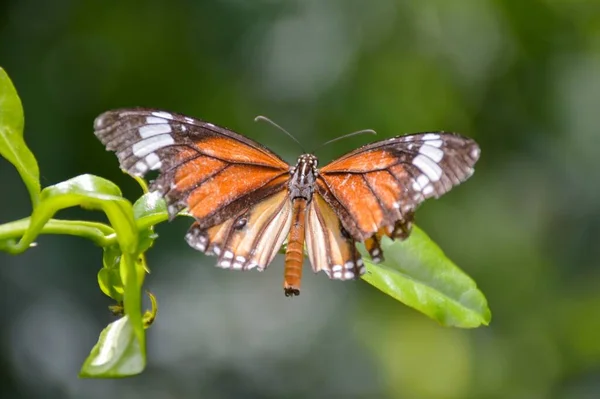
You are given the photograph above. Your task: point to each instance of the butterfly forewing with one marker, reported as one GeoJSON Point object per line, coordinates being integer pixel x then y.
{"type": "Point", "coordinates": [378, 187]}
{"type": "Point", "coordinates": [208, 169]}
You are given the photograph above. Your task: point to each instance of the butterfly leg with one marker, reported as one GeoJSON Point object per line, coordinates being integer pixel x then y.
{"type": "Point", "coordinates": [294, 254]}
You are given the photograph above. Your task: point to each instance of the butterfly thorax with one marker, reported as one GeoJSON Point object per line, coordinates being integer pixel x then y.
{"type": "Point", "coordinates": [303, 176]}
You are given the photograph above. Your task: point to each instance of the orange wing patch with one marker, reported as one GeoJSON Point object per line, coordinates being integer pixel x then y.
{"type": "Point", "coordinates": [352, 191]}
{"type": "Point", "coordinates": [232, 151]}
{"type": "Point", "coordinates": [190, 173]}
{"type": "Point", "coordinates": [386, 188]}
{"type": "Point", "coordinates": [228, 185]}
{"type": "Point", "coordinates": [358, 163]}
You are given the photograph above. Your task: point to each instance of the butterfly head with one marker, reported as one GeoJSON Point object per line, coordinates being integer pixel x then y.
{"type": "Point", "coordinates": [303, 177]}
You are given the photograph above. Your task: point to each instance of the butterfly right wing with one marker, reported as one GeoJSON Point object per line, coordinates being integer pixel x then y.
{"type": "Point", "coordinates": [212, 171]}
{"type": "Point", "coordinates": [376, 189]}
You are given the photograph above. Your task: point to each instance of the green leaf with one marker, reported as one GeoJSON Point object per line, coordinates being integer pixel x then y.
{"type": "Point", "coordinates": [117, 353]}
{"type": "Point", "coordinates": [12, 143]}
{"type": "Point", "coordinates": [149, 210]}
{"type": "Point", "coordinates": [109, 277]}
{"type": "Point", "coordinates": [94, 192]}
{"type": "Point", "coordinates": [417, 273]}
{"type": "Point", "coordinates": [87, 191]}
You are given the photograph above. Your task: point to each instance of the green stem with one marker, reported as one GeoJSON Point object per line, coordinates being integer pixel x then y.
{"type": "Point", "coordinates": [99, 233]}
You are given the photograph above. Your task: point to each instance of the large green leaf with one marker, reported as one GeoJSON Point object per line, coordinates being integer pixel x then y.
{"type": "Point", "coordinates": [417, 273]}
{"type": "Point", "coordinates": [12, 143]}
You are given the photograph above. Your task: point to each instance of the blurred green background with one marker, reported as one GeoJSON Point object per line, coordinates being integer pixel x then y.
{"type": "Point", "coordinates": [521, 77]}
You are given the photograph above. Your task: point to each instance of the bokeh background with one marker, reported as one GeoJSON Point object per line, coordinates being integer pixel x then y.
{"type": "Point", "coordinates": [521, 77]}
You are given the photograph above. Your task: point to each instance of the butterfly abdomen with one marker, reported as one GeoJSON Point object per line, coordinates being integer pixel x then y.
{"type": "Point", "coordinates": [294, 255]}
{"type": "Point", "coordinates": [301, 188]}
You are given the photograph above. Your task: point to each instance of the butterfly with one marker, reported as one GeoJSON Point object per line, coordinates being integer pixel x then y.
{"type": "Point", "coordinates": [247, 201]}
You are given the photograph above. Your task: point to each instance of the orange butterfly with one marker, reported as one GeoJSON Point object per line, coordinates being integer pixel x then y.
{"type": "Point", "coordinates": [246, 200]}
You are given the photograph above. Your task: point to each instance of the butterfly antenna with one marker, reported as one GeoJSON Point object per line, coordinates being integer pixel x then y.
{"type": "Point", "coordinates": [365, 131]}
{"type": "Point", "coordinates": [265, 119]}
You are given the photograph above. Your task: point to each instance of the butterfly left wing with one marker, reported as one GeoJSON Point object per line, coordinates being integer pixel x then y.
{"type": "Point", "coordinates": [376, 189]}
{"type": "Point", "coordinates": [213, 172]}
{"type": "Point", "coordinates": [248, 240]}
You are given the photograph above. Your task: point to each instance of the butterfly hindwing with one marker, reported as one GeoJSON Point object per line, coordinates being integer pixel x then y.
{"type": "Point", "coordinates": [208, 169]}
{"type": "Point", "coordinates": [329, 247]}
{"type": "Point", "coordinates": [249, 240]}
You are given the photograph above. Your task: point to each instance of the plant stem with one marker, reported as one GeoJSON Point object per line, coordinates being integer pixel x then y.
{"type": "Point", "coordinates": [101, 234]}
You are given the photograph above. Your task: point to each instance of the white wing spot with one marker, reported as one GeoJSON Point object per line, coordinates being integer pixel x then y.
{"type": "Point", "coordinates": [431, 136]}
{"type": "Point", "coordinates": [475, 153]}
{"type": "Point", "coordinates": [349, 265]}
{"type": "Point", "coordinates": [237, 265]}
{"type": "Point", "coordinates": [153, 161]}
{"type": "Point", "coordinates": [141, 167]}
{"type": "Point", "coordinates": [163, 114]}
{"type": "Point", "coordinates": [154, 130]}
{"type": "Point", "coordinates": [337, 275]}
{"type": "Point", "coordinates": [349, 275]}
{"type": "Point", "coordinates": [422, 180]}
{"type": "Point", "coordinates": [336, 268]}
{"type": "Point", "coordinates": [154, 120]}
{"type": "Point", "coordinates": [225, 263]}
{"type": "Point", "coordinates": [435, 143]}
{"type": "Point", "coordinates": [432, 152]}
{"type": "Point", "coordinates": [428, 190]}
{"type": "Point", "coordinates": [188, 119]}
{"type": "Point", "coordinates": [427, 166]}
{"type": "Point", "coordinates": [183, 128]}
{"type": "Point", "coordinates": [196, 245]}
{"type": "Point", "coordinates": [99, 122]}
{"type": "Point", "coordinates": [210, 125]}
{"type": "Point", "coordinates": [151, 144]}
{"type": "Point", "coordinates": [228, 255]}
{"type": "Point", "coordinates": [217, 250]}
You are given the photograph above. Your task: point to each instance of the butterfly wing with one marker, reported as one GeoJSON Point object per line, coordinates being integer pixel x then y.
{"type": "Point", "coordinates": [376, 189]}
{"type": "Point", "coordinates": [329, 247]}
{"type": "Point", "coordinates": [249, 240]}
{"type": "Point", "coordinates": [213, 172]}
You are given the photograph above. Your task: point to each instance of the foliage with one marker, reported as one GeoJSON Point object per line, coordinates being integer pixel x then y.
{"type": "Point", "coordinates": [416, 271]}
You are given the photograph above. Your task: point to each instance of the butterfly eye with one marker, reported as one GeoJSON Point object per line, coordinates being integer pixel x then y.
{"type": "Point", "coordinates": [240, 223]}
